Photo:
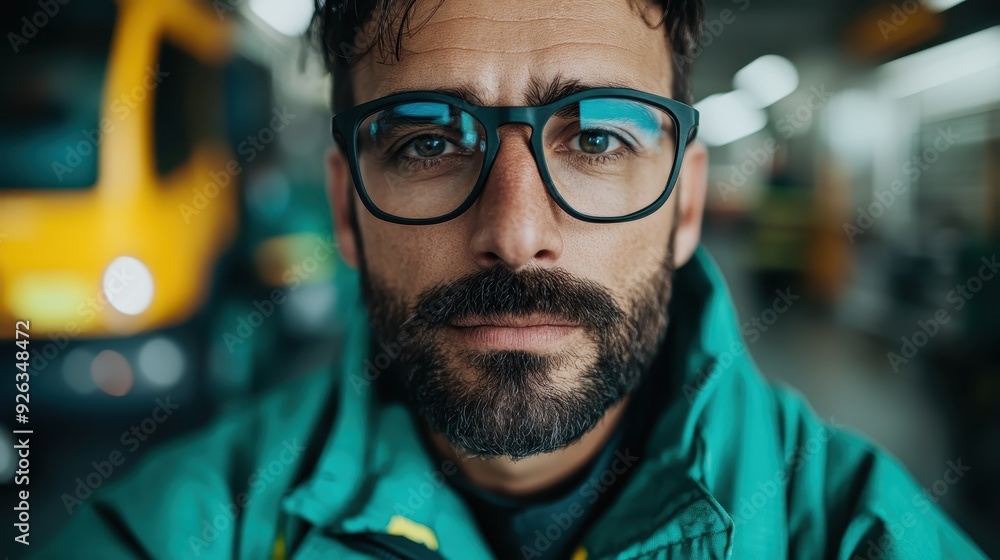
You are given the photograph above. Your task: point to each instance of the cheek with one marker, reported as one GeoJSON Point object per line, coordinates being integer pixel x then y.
{"type": "Point", "coordinates": [411, 259]}
{"type": "Point", "coordinates": [623, 257]}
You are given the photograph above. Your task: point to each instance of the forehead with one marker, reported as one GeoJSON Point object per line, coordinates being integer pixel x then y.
{"type": "Point", "coordinates": [504, 50]}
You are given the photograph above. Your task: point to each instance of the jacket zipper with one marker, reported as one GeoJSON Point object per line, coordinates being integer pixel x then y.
{"type": "Point", "coordinates": [377, 551]}
{"type": "Point", "coordinates": [370, 544]}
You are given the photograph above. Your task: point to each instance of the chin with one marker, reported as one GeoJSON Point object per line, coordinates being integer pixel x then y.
{"type": "Point", "coordinates": [512, 403]}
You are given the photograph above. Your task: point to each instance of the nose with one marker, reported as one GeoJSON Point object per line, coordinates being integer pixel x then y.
{"type": "Point", "coordinates": [515, 218]}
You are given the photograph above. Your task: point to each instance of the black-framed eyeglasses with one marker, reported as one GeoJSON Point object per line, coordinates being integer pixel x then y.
{"type": "Point", "coordinates": [604, 154]}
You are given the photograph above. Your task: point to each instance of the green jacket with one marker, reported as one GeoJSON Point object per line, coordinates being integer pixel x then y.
{"type": "Point", "coordinates": [734, 468]}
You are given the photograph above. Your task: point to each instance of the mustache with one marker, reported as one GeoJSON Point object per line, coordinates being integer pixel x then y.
{"type": "Point", "coordinates": [498, 290]}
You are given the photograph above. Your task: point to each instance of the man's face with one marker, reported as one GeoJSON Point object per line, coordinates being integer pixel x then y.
{"type": "Point", "coordinates": [521, 325]}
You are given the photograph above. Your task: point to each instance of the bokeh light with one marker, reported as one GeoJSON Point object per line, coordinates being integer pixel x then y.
{"type": "Point", "coordinates": [112, 373]}
{"type": "Point", "coordinates": [161, 361]}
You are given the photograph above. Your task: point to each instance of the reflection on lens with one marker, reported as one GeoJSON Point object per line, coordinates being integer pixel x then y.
{"type": "Point", "coordinates": [420, 159]}
{"type": "Point", "coordinates": [610, 157]}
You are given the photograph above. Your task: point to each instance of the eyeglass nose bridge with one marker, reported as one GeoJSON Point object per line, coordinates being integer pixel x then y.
{"type": "Point", "coordinates": [524, 116]}
{"type": "Point", "coordinates": [516, 115]}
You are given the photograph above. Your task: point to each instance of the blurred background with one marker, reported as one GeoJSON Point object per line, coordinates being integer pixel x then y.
{"type": "Point", "coordinates": [164, 226]}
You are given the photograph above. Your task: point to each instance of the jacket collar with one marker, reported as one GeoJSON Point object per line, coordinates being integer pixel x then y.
{"type": "Point", "coordinates": [374, 475]}
{"type": "Point", "coordinates": [375, 470]}
{"type": "Point", "coordinates": [668, 504]}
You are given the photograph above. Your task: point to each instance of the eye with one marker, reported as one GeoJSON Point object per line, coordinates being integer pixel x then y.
{"type": "Point", "coordinates": [597, 141]}
{"type": "Point", "coordinates": [428, 145]}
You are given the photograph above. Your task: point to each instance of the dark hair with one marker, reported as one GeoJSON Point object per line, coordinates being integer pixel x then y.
{"type": "Point", "coordinates": [346, 30]}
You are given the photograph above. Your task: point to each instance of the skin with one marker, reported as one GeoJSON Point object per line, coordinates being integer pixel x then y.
{"type": "Point", "coordinates": [497, 49]}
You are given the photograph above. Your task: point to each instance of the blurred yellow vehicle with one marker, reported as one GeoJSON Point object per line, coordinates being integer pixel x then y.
{"type": "Point", "coordinates": [118, 193]}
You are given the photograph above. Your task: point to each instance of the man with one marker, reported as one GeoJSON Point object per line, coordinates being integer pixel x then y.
{"type": "Point", "coordinates": [553, 368]}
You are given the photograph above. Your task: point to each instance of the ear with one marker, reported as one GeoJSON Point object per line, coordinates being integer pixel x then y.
{"type": "Point", "coordinates": [340, 190]}
{"type": "Point", "coordinates": [692, 185]}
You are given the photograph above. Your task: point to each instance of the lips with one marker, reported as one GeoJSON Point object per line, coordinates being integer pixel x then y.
{"type": "Point", "coordinates": [514, 321]}
{"type": "Point", "coordinates": [535, 332]}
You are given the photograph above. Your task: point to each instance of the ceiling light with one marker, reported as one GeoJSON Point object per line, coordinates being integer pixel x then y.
{"type": "Point", "coordinates": [161, 360]}
{"type": "Point", "coordinates": [768, 79]}
{"type": "Point", "coordinates": [944, 63]}
{"type": "Point", "coordinates": [942, 5]}
{"type": "Point", "coordinates": [727, 117]}
{"type": "Point", "coordinates": [289, 17]}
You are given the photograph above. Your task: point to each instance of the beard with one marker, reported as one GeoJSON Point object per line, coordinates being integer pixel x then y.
{"type": "Point", "coordinates": [511, 403]}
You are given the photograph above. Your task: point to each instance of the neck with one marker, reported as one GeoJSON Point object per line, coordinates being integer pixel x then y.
{"type": "Point", "coordinates": [538, 472]}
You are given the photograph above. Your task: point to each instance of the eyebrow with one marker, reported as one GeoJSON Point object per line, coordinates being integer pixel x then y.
{"type": "Point", "coordinates": [538, 92]}
{"type": "Point", "coordinates": [543, 93]}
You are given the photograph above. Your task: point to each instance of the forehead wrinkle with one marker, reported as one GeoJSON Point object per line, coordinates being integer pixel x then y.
{"type": "Point", "coordinates": [444, 11]}
{"type": "Point", "coordinates": [447, 23]}
{"type": "Point", "coordinates": [494, 50]}
{"type": "Point", "coordinates": [506, 33]}
{"type": "Point", "coordinates": [488, 88]}
{"type": "Point", "coordinates": [497, 56]}
{"type": "Point", "coordinates": [528, 19]}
